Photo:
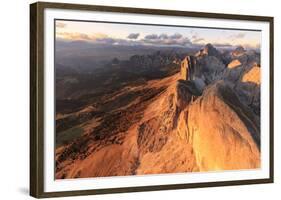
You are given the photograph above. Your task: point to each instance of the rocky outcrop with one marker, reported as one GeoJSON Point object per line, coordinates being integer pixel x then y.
{"type": "Point", "coordinates": [185, 68]}
{"type": "Point", "coordinates": [238, 51]}
{"type": "Point", "coordinates": [245, 57]}
{"type": "Point", "coordinates": [210, 68]}
{"type": "Point", "coordinates": [253, 75]}
{"type": "Point", "coordinates": [209, 50]}
{"type": "Point", "coordinates": [248, 88]}
{"type": "Point", "coordinates": [203, 68]}
{"type": "Point", "coordinates": [233, 64]}
{"type": "Point", "coordinates": [188, 67]}
{"type": "Point", "coordinates": [222, 131]}
{"type": "Point", "coordinates": [222, 124]}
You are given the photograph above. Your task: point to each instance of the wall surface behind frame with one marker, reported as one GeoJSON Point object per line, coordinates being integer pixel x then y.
{"type": "Point", "coordinates": [14, 101]}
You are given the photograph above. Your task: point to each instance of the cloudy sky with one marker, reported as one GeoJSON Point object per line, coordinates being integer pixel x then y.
{"type": "Point", "coordinates": [127, 34]}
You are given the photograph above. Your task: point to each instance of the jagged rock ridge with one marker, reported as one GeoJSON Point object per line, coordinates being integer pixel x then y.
{"type": "Point", "coordinates": [204, 118]}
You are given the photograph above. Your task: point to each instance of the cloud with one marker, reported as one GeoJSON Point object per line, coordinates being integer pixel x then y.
{"type": "Point", "coordinates": [72, 36]}
{"type": "Point", "coordinates": [97, 38]}
{"type": "Point", "coordinates": [176, 36]}
{"type": "Point", "coordinates": [60, 25]}
{"type": "Point", "coordinates": [195, 38]}
{"type": "Point", "coordinates": [117, 41]}
{"type": "Point", "coordinates": [163, 36]}
{"type": "Point", "coordinates": [80, 36]}
{"type": "Point", "coordinates": [133, 35]}
{"type": "Point", "coordinates": [151, 37]}
{"type": "Point", "coordinates": [133, 39]}
{"type": "Point", "coordinates": [164, 39]}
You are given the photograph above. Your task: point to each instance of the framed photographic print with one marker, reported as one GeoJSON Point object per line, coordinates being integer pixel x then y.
{"type": "Point", "coordinates": [129, 99]}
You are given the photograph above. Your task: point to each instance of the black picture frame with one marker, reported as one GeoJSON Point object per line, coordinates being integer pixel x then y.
{"type": "Point", "coordinates": [37, 97]}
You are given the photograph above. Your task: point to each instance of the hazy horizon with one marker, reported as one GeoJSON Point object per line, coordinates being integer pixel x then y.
{"type": "Point", "coordinates": [149, 35]}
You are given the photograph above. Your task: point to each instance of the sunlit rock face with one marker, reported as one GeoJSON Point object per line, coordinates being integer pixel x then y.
{"type": "Point", "coordinates": [233, 64]}
{"type": "Point", "coordinates": [188, 67]}
{"type": "Point", "coordinates": [205, 117]}
{"type": "Point", "coordinates": [253, 75]}
{"type": "Point", "coordinates": [222, 123]}
{"type": "Point", "coordinates": [223, 132]}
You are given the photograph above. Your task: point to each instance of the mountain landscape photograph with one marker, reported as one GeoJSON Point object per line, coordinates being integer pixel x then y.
{"type": "Point", "coordinates": [136, 99]}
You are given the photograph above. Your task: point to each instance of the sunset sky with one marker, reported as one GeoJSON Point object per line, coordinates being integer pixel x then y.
{"type": "Point", "coordinates": [127, 34]}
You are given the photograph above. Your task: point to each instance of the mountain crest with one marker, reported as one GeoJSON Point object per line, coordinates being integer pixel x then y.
{"type": "Point", "coordinates": [239, 51]}
{"type": "Point", "coordinates": [202, 114]}
{"type": "Point", "coordinates": [210, 50]}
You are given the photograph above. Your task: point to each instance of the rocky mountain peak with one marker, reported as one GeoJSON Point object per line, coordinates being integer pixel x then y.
{"type": "Point", "coordinates": [188, 68]}
{"type": "Point", "coordinates": [239, 51]}
{"type": "Point", "coordinates": [210, 50]}
{"type": "Point", "coordinates": [209, 46]}
{"type": "Point", "coordinates": [253, 75]}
